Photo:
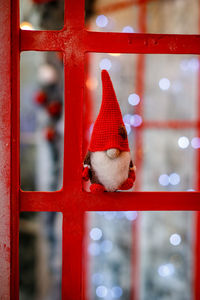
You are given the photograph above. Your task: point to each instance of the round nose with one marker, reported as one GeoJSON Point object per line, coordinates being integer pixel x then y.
{"type": "Point", "coordinates": [113, 153]}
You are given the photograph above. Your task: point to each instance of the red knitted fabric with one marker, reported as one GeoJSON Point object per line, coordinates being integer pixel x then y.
{"type": "Point", "coordinates": [106, 129]}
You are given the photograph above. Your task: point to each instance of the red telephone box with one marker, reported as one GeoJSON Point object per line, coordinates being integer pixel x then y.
{"type": "Point", "coordinates": [74, 41]}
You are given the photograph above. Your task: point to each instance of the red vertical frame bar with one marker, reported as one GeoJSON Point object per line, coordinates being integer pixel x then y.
{"type": "Point", "coordinates": [15, 135]}
{"type": "Point", "coordinates": [73, 216]}
{"type": "Point", "coordinates": [5, 146]}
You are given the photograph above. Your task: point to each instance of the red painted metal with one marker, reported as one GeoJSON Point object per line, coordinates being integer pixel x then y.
{"type": "Point", "coordinates": [72, 201]}
{"type": "Point", "coordinates": [5, 146]}
{"type": "Point", "coordinates": [110, 42]}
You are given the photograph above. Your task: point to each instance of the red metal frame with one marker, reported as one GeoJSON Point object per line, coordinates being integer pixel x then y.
{"type": "Point", "coordinates": [74, 41]}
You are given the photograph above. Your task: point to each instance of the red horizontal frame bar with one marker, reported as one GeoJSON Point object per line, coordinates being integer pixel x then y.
{"type": "Point", "coordinates": [111, 42]}
{"type": "Point", "coordinates": [118, 201]}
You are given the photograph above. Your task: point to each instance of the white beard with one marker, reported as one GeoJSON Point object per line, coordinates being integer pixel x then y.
{"type": "Point", "coordinates": [111, 172]}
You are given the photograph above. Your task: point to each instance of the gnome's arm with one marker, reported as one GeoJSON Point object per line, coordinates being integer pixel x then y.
{"type": "Point", "coordinates": [132, 170]}
{"type": "Point", "coordinates": [86, 167]}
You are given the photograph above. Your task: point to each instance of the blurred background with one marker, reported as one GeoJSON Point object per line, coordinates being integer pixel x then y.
{"type": "Point", "coordinates": [128, 255]}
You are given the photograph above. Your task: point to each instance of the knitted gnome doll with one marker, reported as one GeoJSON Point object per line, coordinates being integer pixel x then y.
{"type": "Point", "coordinates": [108, 163]}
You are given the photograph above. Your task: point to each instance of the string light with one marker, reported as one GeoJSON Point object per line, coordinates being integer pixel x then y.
{"type": "Point", "coordinates": [128, 29]}
{"type": "Point", "coordinates": [163, 179]}
{"type": "Point", "coordinates": [105, 64]}
{"type": "Point", "coordinates": [174, 179]}
{"type": "Point", "coordinates": [175, 239]}
{"type": "Point", "coordinates": [166, 270]}
{"type": "Point", "coordinates": [101, 291]}
{"type": "Point", "coordinates": [96, 234]}
{"type": "Point", "coordinates": [136, 120]}
{"type": "Point", "coordinates": [183, 142]}
{"type": "Point", "coordinates": [91, 83]}
{"type": "Point", "coordinates": [127, 118]}
{"type": "Point", "coordinates": [102, 21]}
{"type": "Point", "coordinates": [133, 99]}
{"type": "Point", "coordinates": [164, 84]}
{"type": "Point", "coordinates": [195, 143]}
{"type": "Point", "coordinates": [116, 292]}
{"type": "Point", "coordinates": [26, 26]}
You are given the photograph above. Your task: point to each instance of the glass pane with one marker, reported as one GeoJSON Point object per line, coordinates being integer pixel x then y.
{"type": "Point", "coordinates": [41, 14]}
{"type": "Point", "coordinates": [143, 16]}
{"type": "Point", "coordinates": [40, 255]}
{"type": "Point", "coordinates": [41, 121]}
{"type": "Point", "coordinates": [158, 97]}
{"type": "Point", "coordinates": [140, 255]}
{"type": "Point", "coordinates": [171, 87]}
{"type": "Point", "coordinates": [169, 160]}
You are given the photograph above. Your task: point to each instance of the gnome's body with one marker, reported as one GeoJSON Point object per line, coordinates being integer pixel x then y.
{"type": "Point", "coordinates": [108, 163]}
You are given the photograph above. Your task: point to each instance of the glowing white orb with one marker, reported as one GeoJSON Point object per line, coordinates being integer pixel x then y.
{"type": "Point", "coordinates": [175, 239]}
{"type": "Point", "coordinates": [102, 21]}
{"type": "Point", "coordinates": [101, 291]}
{"type": "Point", "coordinates": [163, 179]}
{"type": "Point", "coordinates": [166, 270]}
{"type": "Point", "coordinates": [136, 120]}
{"type": "Point", "coordinates": [96, 234]}
{"type": "Point", "coordinates": [183, 142]}
{"type": "Point", "coordinates": [164, 84]}
{"type": "Point", "coordinates": [105, 64]}
{"type": "Point", "coordinates": [133, 99]}
{"type": "Point", "coordinates": [174, 179]}
{"type": "Point", "coordinates": [195, 142]}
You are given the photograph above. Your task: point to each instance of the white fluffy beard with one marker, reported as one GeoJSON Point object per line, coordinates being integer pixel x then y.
{"type": "Point", "coordinates": [111, 172]}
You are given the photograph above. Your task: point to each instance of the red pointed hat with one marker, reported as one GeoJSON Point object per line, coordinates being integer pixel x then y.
{"type": "Point", "coordinates": [109, 130]}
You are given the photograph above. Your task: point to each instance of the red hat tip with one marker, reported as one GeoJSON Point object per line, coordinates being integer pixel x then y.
{"type": "Point", "coordinates": [104, 74]}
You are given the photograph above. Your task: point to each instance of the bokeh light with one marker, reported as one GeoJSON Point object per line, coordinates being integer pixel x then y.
{"type": "Point", "coordinates": [128, 128]}
{"type": "Point", "coordinates": [133, 99]}
{"type": "Point", "coordinates": [92, 83]}
{"type": "Point", "coordinates": [175, 239]}
{"type": "Point", "coordinates": [163, 179]}
{"type": "Point", "coordinates": [106, 246]}
{"type": "Point", "coordinates": [96, 234]}
{"type": "Point", "coordinates": [101, 291]}
{"type": "Point", "coordinates": [195, 143]}
{"type": "Point", "coordinates": [183, 142]}
{"type": "Point", "coordinates": [166, 270]}
{"type": "Point", "coordinates": [26, 26]}
{"type": "Point", "coordinates": [116, 292]}
{"type": "Point", "coordinates": [105, 64]}
{"type": "Point", "coordinates": [128, 29]}
{"type": "Point", "coordinates": [164, 84]}
{"type": "Point", "coordinates": [130, 215]}
{"type": "Point", "coordinates": [97, 278]}
{"type": "Point", "coordinates": [174, 178]}
{"type": "Point", "coordinates": [94, 249]}
{"type": "Point", "coordinates": [136, 120]}
{"type": "Point", "coordinates": [102, 21]}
